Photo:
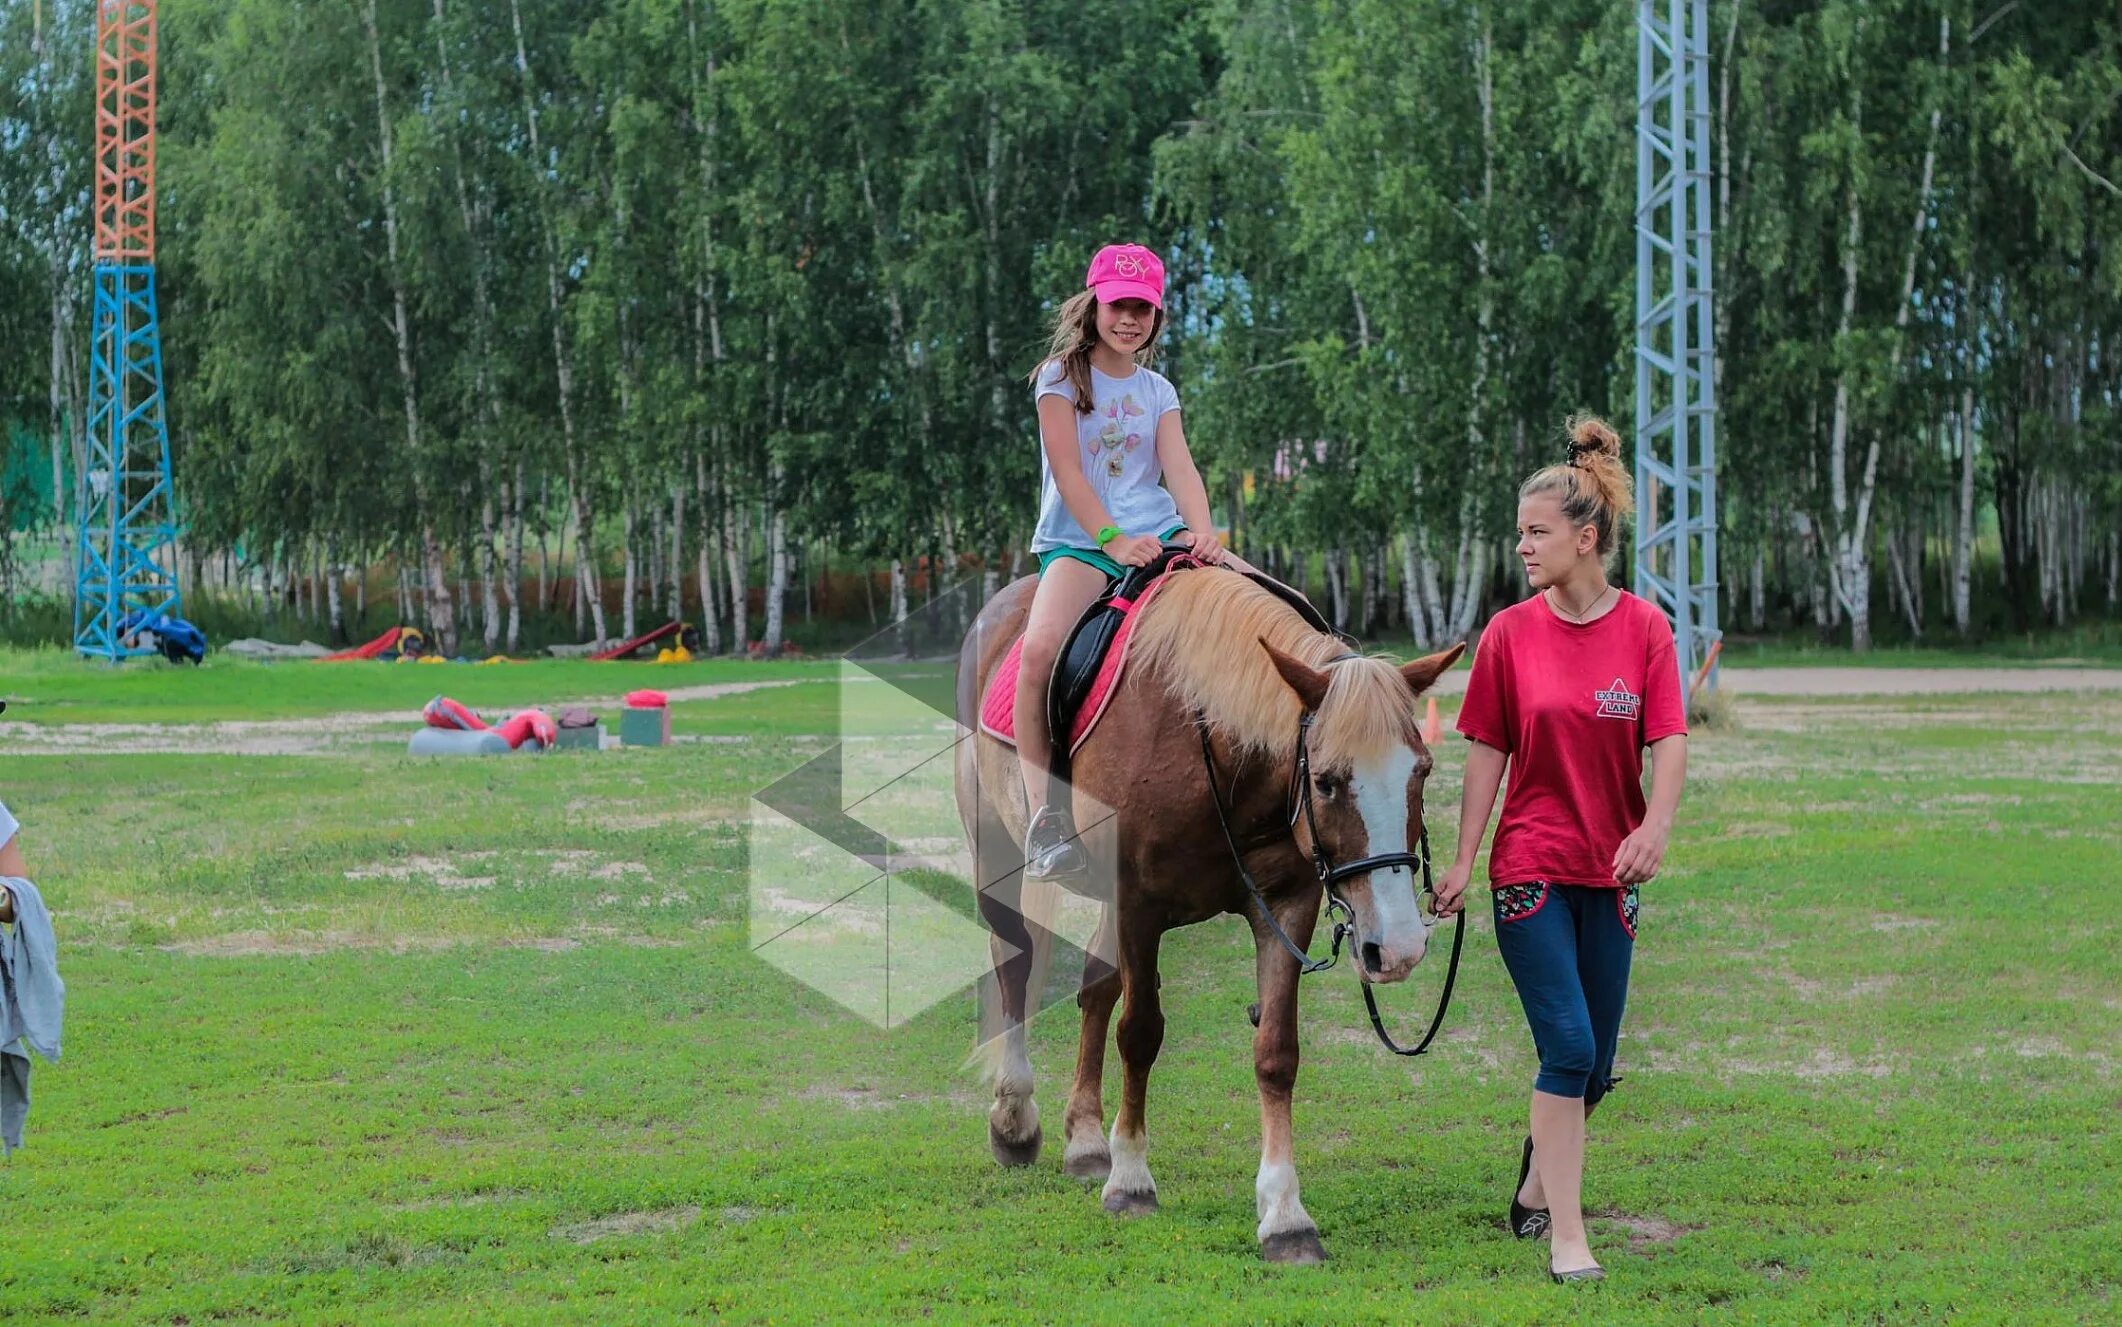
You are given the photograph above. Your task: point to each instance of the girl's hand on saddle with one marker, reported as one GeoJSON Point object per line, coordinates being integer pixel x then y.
{"type": "Point", "coordinates": [1205, 545]}
{"type": "Point", "coordinates": [1451, 890]}
{"type": "Point", "coordinates": [1134, 550]}
{"type": "Point", "coordinates": [1640, 855]}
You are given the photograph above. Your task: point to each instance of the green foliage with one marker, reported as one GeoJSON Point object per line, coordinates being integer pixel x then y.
{"type": "Point", "coordinates": [747, 269]}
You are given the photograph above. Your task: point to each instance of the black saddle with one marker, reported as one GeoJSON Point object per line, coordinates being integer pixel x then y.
{"type": "Point", "coordinates": [1083, 653]}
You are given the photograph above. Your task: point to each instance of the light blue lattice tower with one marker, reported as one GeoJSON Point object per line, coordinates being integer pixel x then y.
{"type": "Point", "coordinates": [1676, 401]}
{"type": "Point", "coordinates": [126, 557]}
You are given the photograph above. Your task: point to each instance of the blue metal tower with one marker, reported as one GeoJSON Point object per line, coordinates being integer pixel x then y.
{"type": "Point", "coordinates": [1676, 395]}
{"type": "Point", "coordinates": [125, 500]}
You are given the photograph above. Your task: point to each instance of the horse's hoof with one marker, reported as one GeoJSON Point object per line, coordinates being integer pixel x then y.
{"type": "Point", "coordinates": [1123, 1202]}
{"type": "Point", "coordinates": [1096, 1165]}
{"type": "Point", "coordinates": [1014, 1154]}
{"type": "Point", "coordinates": [1298, 1248]}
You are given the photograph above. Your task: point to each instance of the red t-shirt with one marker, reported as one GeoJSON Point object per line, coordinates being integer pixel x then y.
{"type": "Point", "coordinates": [1573, 705]}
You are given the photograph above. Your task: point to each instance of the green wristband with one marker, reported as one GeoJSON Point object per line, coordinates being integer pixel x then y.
{"type": "Point", "coordinates": [1107, 535]}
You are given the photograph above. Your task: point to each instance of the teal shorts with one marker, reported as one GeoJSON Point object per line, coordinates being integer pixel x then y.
{"type": "Point", "coordinates": [1096, 556]}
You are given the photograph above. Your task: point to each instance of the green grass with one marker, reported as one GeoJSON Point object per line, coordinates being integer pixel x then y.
{"type": "Point", "coordinates": [55, 686]}
{"type": "Point", "coordinates": [362, 1039]}
{"type": "Point", "coordinates": [2093, 644]}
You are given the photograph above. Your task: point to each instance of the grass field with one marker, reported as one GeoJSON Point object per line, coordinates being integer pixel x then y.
{"type": "Point", "coordinates": [354, 1038]}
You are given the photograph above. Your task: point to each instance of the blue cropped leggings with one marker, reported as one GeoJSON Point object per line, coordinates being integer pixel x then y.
{"type": "Point", "coordinates": [1568, 948]}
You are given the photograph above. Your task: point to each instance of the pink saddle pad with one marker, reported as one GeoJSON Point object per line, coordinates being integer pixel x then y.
{"type": "Point", "coordinates": [998, 717]}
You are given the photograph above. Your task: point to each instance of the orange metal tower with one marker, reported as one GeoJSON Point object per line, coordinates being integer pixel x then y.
{"type": "Point", "coordinates": [125, 131]}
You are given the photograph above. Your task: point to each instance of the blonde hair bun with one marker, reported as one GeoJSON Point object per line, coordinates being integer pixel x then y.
{"type": "Point", "coordinates": [1592, 486]}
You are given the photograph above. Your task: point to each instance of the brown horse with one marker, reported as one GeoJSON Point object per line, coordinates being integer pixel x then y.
{"type": "Point", "coordinates": [1214, 644]}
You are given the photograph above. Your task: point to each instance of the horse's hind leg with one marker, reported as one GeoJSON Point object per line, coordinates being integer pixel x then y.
{"type": "Point", "coordinates": [1088, 1157]}
{"type": "Point", "coordinates": [1013, 1121]}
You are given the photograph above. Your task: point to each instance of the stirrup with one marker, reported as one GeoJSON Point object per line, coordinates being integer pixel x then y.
{"type": "Point", "coordinates": [1050, 847]}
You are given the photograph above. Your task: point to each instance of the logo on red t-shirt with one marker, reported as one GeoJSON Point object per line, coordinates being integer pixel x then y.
{"type": "Point", "coordinates": [1618, 702]}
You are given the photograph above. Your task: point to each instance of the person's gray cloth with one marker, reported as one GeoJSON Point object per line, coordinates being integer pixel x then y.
{"type": "Point", "coordinates": [32, 1004]}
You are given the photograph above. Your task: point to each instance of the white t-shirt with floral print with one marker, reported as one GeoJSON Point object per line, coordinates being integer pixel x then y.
{"type": "Point", "coordinates": [1117, 445]}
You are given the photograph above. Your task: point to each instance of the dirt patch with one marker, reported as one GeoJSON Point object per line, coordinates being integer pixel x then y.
{"type": "Point", "coordinates": [321, 735]}
{"type": "Point", "coordinates": [1645, 1233]}
{"type": "Point", "coordinates": [576, 864]}
{"type": "Point", "coordinates": [442, 872]}
{"type": "Point", "coordinates": [1889, 924]}
{"type": "Point", "coordinates": [1858, 989]}
{"type": "Point", "coordinates": [308, 944]}
{"type": "Point", "coordinates": [316, 735]}
{"type": "Point", "coordinates": [870, 1098]}
{"type": "Point", "coordinates": [1822, 1065]}
{"type": "Point", "coordinates": [544, 944]}
{"type": "Point", "coordinates": [1756, 829]}
{"type": "Point", "coordinates": [601, 817]}
{"type": "Point", "coordinates": [2043, 1048]}
{"type": "Point", "coordinates": [300, 944]}
{"type": "Point", "coordinates": [660, 1222]}
{"type": "Point", "coordinates": [454, 1200]}
{"type": "Point", "coordinates": [1913, 681]}
{"type": "Point", "coordinates": [447, 873]}
{"type": "Point", "coordinates": [853, 1098]}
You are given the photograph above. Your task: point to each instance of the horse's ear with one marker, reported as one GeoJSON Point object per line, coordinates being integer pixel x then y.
{"type": "Point", "coordinates": [1422, 674]}
{"type": "Point", "coordinates": [1308, 682]}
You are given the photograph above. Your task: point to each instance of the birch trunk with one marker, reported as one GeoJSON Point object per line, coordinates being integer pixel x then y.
{"type": "Point", "coordinates": [336, 622]}
{"type": "Point", "coordinates": [626, 610]}
{"type": "Point", "coordinates": [710, 606]}
{"type": "Point", "coordinates": [587, 587]}
{"type": "Point", "coordinates": [898, 604]}
{"type": "Point", "coordinates": [1903, 592]}
{"type": "Point", "coordinates": [776, 576]}
{"type": "Point", "coordinates": [1964, 522]}
{"type": "Point", "coordinates": [736, 552]}
{"type": "Point", "coordinates": [676, 561]}
{"type": "Point", "coordinates": [1337, 585]}
{"type": "Point", "coordinates": [489, 593]}
{"type": "Point", "coordinates": [442, 619]}
{"type": "Point", "coordinates": [515, 560]}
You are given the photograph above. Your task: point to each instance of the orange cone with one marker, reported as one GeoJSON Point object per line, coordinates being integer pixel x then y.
{"type": "Point", "coordinates": [1432, 730]}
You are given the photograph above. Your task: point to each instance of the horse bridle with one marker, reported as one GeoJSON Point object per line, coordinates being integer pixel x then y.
{"type": "Point", "coordinates": [1330, 875]}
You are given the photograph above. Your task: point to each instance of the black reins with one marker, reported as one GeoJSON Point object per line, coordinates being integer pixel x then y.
{"type": "Point", "coordinates": [1330, 875]}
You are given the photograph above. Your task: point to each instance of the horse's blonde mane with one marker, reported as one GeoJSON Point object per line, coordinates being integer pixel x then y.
{"type": "Point", "coordinates": [1201, 634]}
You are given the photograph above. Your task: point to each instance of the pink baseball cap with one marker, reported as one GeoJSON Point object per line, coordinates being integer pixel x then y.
{"type": "Point", "coordinates": [1126, 271]}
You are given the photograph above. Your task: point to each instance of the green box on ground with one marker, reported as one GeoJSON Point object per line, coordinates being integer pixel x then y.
{"type": "Point", "coordinates": [645, 727]}
{"type": "Point", "coordinates": [581, 739]}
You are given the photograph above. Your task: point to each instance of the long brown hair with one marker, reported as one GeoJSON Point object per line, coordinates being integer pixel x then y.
{"type": "Point", "coordinates": [1592, 486]}
{"type": "Point", "coordinates": [1075, 336]}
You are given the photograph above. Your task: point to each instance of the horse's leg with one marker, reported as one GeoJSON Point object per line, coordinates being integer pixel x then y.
{"type": "Point", "coordinates": [1013, 1122]}
{"type": "Point", "coordinates": [1087, 1156]}
{"type": "Point", "coordinates": [1129, 1187]}
{"type": "Point", "coordinates": [1286, 1232]}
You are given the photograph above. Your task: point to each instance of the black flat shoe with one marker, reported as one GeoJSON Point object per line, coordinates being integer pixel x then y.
{"type": "Point", "coordinates": [1581, 1274]}
{"type": "Point", "coordinates": [1526, 1222]}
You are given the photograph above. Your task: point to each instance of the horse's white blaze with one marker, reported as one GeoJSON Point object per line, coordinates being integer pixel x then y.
{"type": "Point", "coordinates": [1395, 923]}
{"type": "Point", "coordinates": [1281, 1212]}
{"type": "Point", "coordinates": [1130, 1173]}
